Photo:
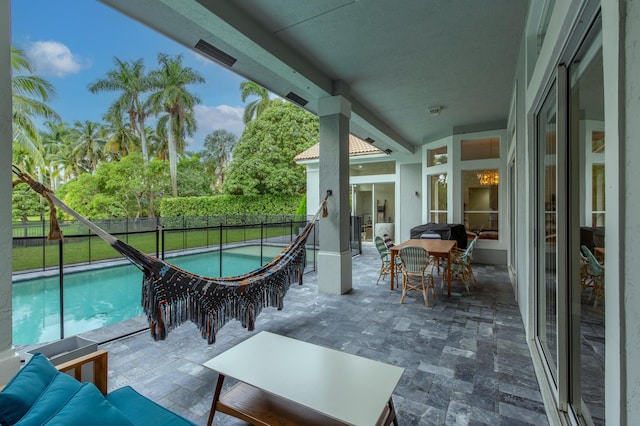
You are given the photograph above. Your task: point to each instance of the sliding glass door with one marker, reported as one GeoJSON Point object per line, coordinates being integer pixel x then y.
{"type": "Point", "coordinates": [547, 219]}
{"type": "Point", "coordinates": [569, 218]}
{"type": "Point", "coordinates": [587, 141]}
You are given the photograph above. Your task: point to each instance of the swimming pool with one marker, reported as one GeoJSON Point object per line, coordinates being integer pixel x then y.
{"type": "Point", "coordinates": [100, 297]}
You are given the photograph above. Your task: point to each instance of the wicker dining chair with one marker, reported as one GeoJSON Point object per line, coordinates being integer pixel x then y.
{"type": "Point", "coordinates": [461, 265]}
{"type": "Point", "coordinates": [595, 275]}
{"type": "Point", "coordinates": [417, 272]}
{"type": "Point", "coordinates": [385, 258]}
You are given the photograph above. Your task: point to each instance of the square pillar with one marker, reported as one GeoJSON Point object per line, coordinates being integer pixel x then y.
{"type": "Point", "coordinates": [9, 361]}
{"type": "Point", "coordinates": [334, 258]}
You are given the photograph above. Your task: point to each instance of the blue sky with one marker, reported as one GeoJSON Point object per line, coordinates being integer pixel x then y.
{"type": "Point", "coordinates": [73, 43]}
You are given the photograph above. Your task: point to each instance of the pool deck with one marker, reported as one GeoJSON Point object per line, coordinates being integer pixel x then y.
{"type": "Point", "coordinates": [466, 360]}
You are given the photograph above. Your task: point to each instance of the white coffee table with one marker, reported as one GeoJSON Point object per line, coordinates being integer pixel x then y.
{"type": "Point", "coordinates": [285, 381]}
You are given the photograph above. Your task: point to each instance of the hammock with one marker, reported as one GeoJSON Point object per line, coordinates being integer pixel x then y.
{"type": "Point", "coordinates": [171, 296]}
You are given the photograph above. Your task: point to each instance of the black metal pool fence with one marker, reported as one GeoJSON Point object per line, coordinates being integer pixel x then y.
{"type": "Point", "coordinates": [163, 236]}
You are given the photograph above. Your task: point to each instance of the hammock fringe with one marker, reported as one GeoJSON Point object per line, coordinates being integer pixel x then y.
{"type": "Point", "coordinates": [172, 296]}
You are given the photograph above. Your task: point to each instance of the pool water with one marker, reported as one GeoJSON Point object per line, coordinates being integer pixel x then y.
{"type": "Point", "coordinates": [100, 297]}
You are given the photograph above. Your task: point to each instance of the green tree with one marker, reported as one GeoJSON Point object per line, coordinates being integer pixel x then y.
{"type": "Point", "coordinates": [192, 177]}
{"type": "Point", "coordinates": [53, 139]}
{"type": "Point", "coordinates": [125, 181]}
{"type": "Point", "coordinates": [256, 107]}
{"type": "Point", "coordinates": [90, 140]}
{"type": "Point", "coordinates": [121, 138]}
{"type": "Point", "coordinates": [160, 143]}
{"type": "Point", "coordinates": [125, 188]}
{"type": "Point", "coordinates": [263, 158]}
{"type": "Point", "coordinates": [29, 96]}
{"type": "Point", "coordinates": [25, 203]}
{"type": "Point", "coordinates": [61, 153]}
{"type": "Point", "coordinates": [174, 99]}
{"type": "Point", "coordinates": [130, 80]}
{"type": "Point", "coordinates": [218, 147]}
{"type": "Point", "coordinates": [78, 194]}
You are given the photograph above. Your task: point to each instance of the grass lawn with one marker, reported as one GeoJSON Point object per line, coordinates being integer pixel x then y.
{"type": "Point", "coordinates": [86, 249]}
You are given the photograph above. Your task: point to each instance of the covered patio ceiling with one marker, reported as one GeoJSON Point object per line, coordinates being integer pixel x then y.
{"type": "Point", "coordinates": [392, 60]}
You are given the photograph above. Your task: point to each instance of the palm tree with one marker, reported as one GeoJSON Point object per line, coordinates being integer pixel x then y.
{"type": "Point", "coordinates": [121, 139]}
{"type": "Point", "coordinates": [29, 96]}
{"type": "Point", "coordinates": [160, 145]}
{"type": "Point", "coordinates": [130, 80]}
{"type": "Point", "coordinates": [88, 149]}
{"type": "Point", "coordinates": [173, 99]}
{"type": "Point", "coordinates": [54, 138]}
{"type": "Point", "coordinates": [218, 147]}
{"type": "Point", "coordinates": [255, 107]}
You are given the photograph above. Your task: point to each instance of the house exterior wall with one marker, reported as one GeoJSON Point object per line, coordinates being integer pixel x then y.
{"type": "Point", "coordinates": [632, 197]}
{"type": "Point", "coordinates": [522, 230]}
{"type": "Point", "coordinates": [621, 57]}
{"type": "Point", "coordinates": [411, 199]}
{"type": "Point", "coordinates": [313, 188]}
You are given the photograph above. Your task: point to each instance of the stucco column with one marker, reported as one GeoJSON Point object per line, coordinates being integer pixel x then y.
{"type": "Point", "coordinates": [9, 361]}
{"type": "Point", "coordinates": [621, 58]}
{"type": "Point", "coordinates": [334, 258]}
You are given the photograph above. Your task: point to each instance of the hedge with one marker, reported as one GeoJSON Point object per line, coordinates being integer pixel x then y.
{"type": "Point", "coordinates": [229, 205]}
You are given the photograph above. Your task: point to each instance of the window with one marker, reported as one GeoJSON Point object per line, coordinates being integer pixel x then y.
{"type": "Point", "coordinates": [370, 169]}
{"type": "Point", "coordinates": [597, 195]}
{"type": "Point", "coordinates": [597, 142]}
{"type": "Point", "coordinates": [438, 198]}
{"type": "Point", "coordinates": [437, 156]}
{"type": "Point", "coordinates": [480, 201]}
{"type": "Point", "coordinates": [480, 149]}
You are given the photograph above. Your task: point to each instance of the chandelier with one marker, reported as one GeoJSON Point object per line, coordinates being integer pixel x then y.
{"type": "Point", "coordinates": [488, 177]}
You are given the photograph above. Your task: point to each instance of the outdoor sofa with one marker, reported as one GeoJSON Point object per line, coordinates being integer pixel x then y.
{"type": "Point", "coordinates": [41, 394]}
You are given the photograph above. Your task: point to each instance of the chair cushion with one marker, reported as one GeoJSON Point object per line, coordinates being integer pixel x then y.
{"type": "Point", "coordinates": [89, 407]}
{"type": "Point", "coordinates": [25, 388]}
{"type": "Point", "coordinates": [59, 391]}
{"type": "Point", "coordinates": [131, 403]}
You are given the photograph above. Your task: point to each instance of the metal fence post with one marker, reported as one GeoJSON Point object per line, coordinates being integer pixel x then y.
{"type": "Point", "coordinates": [61, 283]}
{"type": "Point", "coordinates": [220, 250]}
{"type": "Point", "coordinates": [261, 230]}
{"type": "Point", "coordinates": [158, 241]}
{"type": "Point", "coordinates": [162, 241]}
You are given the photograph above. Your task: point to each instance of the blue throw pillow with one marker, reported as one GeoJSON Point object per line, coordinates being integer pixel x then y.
{"type": "Point", "coordinates": [25, 388]}
{"type": "Point", "coordinates": [59, 391]}
{"type": "Point", "coordinates": [89, 407]}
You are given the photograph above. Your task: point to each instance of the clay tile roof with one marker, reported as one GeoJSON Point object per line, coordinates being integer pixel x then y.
{"type": "Point", "coordinates": [356, 147]}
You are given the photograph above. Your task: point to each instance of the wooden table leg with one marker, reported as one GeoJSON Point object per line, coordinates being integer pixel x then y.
{"type": "Point", "coordinates": [216, 397]}
{"type": "Point", "coordinates": [449, 275]}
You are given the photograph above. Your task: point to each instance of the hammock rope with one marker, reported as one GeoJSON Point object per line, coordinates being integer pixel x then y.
{"type": "Point", "coordinates": [172, 296]}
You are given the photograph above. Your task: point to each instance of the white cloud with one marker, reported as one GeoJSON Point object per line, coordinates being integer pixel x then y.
{"type": "Point", "coordinates": [51, 58]}
{"type": "Point", "coordinates": [210, 118]}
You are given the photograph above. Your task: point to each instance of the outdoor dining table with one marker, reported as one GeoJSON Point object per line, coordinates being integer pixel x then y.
{"type": "Point", "coordinates": [438, 248]}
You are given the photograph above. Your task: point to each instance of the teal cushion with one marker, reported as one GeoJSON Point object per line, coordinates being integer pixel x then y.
{"type": "Point", "coordinates": [59, 391]}
{"type": "Point", "coordinates": [25, 388]}
{"type": "Point", "coordinates": [132, 404]}
{"type": "Point", "coordinates": [89, 407]}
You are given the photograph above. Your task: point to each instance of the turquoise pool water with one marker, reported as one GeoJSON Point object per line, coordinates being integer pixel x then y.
{"type": "Point", "coordinates": [99, 297]}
